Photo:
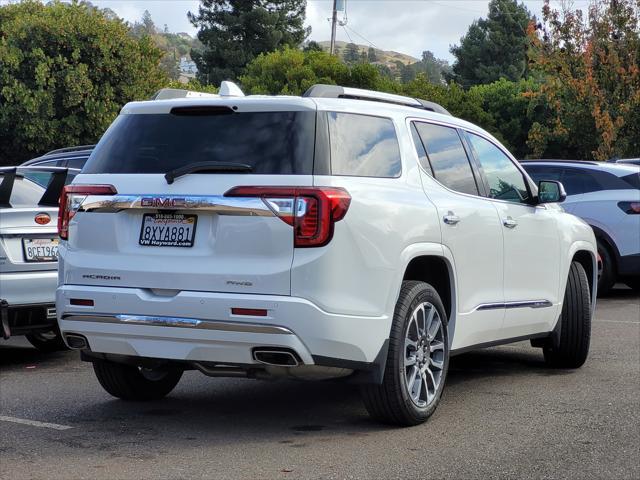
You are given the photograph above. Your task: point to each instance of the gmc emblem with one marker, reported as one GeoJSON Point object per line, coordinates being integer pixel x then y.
{"type": "Point", "coordinates": [163, 202]}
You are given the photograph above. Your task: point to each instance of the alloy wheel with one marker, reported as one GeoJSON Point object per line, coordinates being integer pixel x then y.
{"type": "Point", "coordinates": [424, 354]}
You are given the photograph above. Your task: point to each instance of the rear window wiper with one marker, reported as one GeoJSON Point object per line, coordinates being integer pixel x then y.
{"type": "Point", "coordinates": [215, 167]}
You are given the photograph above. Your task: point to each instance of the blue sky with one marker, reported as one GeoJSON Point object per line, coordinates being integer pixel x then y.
{"type": "Point", "coordinates": [405, 26]}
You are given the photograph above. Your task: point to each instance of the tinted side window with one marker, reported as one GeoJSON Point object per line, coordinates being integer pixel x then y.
{"type": "Point", "coordinates": [447, 157]}
{"type": "Point", "coordinates": [363, 146]}
{"type": "Point", "coordinates": [506, 182]}
{"type": "Point", "coordinates": [76, 162]}
{"type": "Point", "coordinates": [543, 173]}
{"type": "Point", "coordinates": [577, 182]}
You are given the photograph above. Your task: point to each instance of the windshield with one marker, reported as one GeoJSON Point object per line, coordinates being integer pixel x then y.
{"type": "Point", "coordinates": [269, 142]}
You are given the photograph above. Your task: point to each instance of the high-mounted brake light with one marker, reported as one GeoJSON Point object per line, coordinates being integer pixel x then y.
{"type": "Point", "coordinates": [311, 211]}
{"type": "Point", "coordinates": [70, 200]}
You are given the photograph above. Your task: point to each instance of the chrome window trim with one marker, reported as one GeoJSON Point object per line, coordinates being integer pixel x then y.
{"type": "Point", "coordinates": [177, 322]}
{"type": "Point", "coordinates": [239, 206]}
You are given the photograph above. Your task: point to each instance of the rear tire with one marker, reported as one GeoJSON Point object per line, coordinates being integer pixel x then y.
{"type": "Point", "coordinates": [417, 361]}
{"type": "Point", "coordinates": [129, 382]}
{"type": "Point", "coordinates": [47, 342]}
{"type": "Point", "coordinates": [606, 269]}
{"type": "Point", "coordinates": [570, 347]}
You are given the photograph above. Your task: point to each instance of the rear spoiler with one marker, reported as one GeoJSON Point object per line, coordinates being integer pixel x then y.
{"type": "Point", "coordinates": [51, 194]}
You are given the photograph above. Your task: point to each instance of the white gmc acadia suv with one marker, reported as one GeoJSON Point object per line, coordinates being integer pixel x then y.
{"type": "Point", "coordinates": [346, 233]}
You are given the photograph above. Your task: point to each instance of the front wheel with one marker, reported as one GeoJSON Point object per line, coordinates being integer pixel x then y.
{"type": "Point", "coordinates": [417, 361]}
{"type": "Point", "coordinates": [130, 382]}
{"type": "Point", "coordinates": [570, 346]}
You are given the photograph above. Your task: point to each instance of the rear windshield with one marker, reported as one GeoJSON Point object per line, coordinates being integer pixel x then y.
{"type": "Point", "coordinates": [270, 142]}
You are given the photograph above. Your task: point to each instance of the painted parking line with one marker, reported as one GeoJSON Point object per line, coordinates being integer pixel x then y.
{"type": "Point", "coordinates": [34, 423]}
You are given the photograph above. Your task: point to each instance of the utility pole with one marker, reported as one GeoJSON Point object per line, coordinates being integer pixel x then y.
{"type": "Point", "coordinates": [334, 23]}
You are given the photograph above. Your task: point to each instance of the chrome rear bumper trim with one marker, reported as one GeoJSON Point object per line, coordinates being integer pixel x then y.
{"type": "Point", "coordinates": [178, 322]}
{"type": "Point", "coordinates": [211, 203]}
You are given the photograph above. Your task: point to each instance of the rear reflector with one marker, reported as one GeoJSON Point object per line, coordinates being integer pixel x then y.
{"type": "Point", "coordinates": [83, 302]}
{"type": "Point", "coordinates": [311, 211]}
{"type": "Point", "coordinates": [249, 312]}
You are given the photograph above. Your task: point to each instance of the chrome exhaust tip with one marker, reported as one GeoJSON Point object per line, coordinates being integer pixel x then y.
{"type": "Point", "coordinates": [277, 357]}
{"type": "Point", "coordinates": [76, 342]}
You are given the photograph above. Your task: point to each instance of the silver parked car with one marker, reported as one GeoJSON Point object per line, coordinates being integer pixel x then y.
{"type": "Point", "coordinates": [29, 252]}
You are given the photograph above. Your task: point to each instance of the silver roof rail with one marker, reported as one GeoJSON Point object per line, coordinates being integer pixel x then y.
{"type": "Point", "coordinates": [335, 91]}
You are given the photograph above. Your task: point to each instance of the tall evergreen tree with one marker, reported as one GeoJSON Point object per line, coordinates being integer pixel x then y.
{"type": "Point", "coordinates": [494, 47]}
{"type": "Point", "coordinates": [234, 32]}
{"type": "Point", "coordinates": [351, 53]}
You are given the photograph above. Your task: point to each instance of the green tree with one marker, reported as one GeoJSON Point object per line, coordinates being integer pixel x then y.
{"type": "Point", "coordinates": [234, 32]}
{"type": "Point", "coordinates": [433, 68]}
{"type": "Point", "coordinates": [512, 113]}
{"type": "Point", "coordinates": [291, 72]}
{"type": "Point", "coordinates": [494, 47]}
{"type": "Point", "coordinates": [65, 72]}
{"type": "Point", "coordinates": [313, 46]}
{"type": "Point", "coordinates": [372, 56]}
{"type": "Point", "coordinates": [351, 53]}
{"type": "Point", "coordinates": [589, 102]}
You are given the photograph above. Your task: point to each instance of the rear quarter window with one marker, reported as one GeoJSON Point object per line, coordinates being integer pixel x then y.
{"type": "Point", "coordinates": [363, 146]}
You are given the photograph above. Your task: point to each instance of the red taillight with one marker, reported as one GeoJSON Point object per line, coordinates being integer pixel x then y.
{"type": "Point", "coordinates": [70, 200]}
{"type": "Point", "coordinates": [311, 211]}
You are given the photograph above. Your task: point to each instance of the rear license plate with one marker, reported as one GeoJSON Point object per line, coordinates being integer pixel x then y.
{"type": "Point", "coordinates": [168, 230]}
{"type": "Point", "coordinates": [40, 249]}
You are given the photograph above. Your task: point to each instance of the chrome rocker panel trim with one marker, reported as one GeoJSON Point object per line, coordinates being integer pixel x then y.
{"type": "Point", "coordinates": [178, 322]}
{"type": "Point", "coordinates": [519, 304]}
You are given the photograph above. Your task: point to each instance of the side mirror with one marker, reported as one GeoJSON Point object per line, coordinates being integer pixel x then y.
{"type": "Point", "coordinates": [551, 191]}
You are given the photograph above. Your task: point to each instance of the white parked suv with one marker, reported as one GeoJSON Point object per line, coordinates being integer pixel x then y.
{"type": "Point", "coordinates": [346, 233]}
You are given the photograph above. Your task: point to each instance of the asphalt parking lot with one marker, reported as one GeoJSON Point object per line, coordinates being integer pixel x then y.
{"type": "Point", "coordinates": [503, 415]}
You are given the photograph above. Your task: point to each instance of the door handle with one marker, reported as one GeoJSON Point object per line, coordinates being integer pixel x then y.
{"type": "Point", "coordinates": [510, 223]}
{"type": "Point", "coordinates": [451, 219]}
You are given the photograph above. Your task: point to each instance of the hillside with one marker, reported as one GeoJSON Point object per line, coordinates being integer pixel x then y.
{"type": "Point", "coordinates": [383, 56]}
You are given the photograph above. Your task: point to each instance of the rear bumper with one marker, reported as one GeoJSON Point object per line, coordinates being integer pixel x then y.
{"type": "Point", "coordinates": [199, 326]}
{"type": "Point", "coordinates": [27, 288]}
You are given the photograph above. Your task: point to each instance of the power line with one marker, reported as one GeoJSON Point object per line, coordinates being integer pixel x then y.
{"type": "Point", "coordinates": [362, 37]}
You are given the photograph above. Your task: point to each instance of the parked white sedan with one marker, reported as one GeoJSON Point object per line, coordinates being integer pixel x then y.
{"type": "Point", "coordinates": [29, 253]}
